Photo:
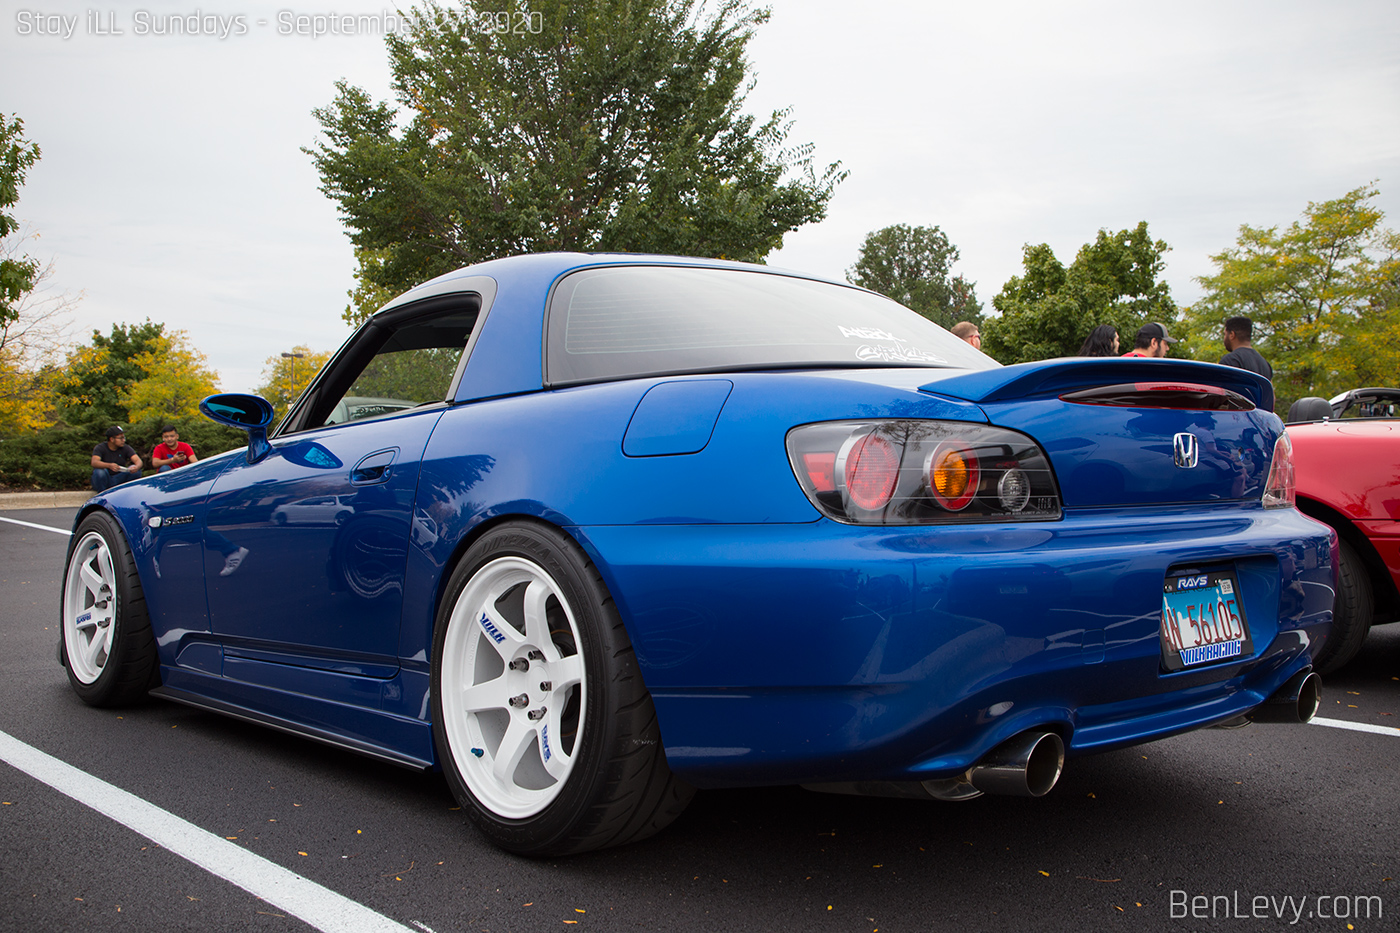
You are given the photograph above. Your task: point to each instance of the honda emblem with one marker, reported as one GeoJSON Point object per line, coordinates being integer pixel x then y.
{"type": "Point", "coordinates": [1187, 450]}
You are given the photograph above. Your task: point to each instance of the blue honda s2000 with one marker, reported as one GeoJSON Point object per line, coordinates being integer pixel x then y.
{"type": "Point", "coordinates": [588, 532]}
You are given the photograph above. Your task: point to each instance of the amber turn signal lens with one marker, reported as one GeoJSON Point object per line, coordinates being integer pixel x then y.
{"type": "Point", "coordinates": [953, 475]}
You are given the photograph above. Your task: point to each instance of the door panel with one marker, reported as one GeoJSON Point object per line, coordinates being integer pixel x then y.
{"type": "Point", "coordinates": [324, 522]}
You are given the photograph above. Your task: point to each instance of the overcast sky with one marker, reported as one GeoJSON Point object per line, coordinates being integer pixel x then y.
{"type": "Point", "coordinates": [173, 186]}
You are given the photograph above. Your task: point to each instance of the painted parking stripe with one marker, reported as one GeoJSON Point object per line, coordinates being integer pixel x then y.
{"type": "Point", "coordinates": [14, 521]}
{"type": "Point", "coordinates": [1355, 726]}
{"type": "Point", "coordinates": [304, 899]}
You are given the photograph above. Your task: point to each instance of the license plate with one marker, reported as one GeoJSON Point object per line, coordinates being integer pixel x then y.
{"type": "Point", "coordinates": [1202, 620]}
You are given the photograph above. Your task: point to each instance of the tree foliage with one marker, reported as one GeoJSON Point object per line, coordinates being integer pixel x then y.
{"type": "Point", "coordinates": [616, 126]}
{"type": "Point", "coordinates": [31, 344]}
{"type": "Point", "coordinates": [98, 377]}
{"type": "Point", "coordinates": [286, 377]}
{"type": "Point", "coordinates": [1049, 310]}
{"type": "Point", "coordinates": [58, 456]}
{"type": "Point", "coordinates": [177, 378]}
{"type": "Point", "coordinates": [33, 318]}
{"type": "Point", "coordinates": [913, 265]}
{"type": "Point", "coordinates": [17, 272]}
{"type": "Point", "coordinates": [1323, 293]}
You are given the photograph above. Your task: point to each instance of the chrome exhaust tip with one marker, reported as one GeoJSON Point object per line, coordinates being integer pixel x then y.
{"type": "Point", "coordinates": [1026, 765]}
{"type": "Point", "coordinates": [1297, 701]}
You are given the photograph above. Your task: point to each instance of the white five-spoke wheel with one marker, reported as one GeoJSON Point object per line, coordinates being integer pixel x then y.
{"type": "Point", "coordinates": [543, 726]}
{"type": "Point", "coordinates": [89, 607]}
{"type": "Point", "coordinates": [108, 647]}
{"type": "Point", "coordinates": [514, 696]}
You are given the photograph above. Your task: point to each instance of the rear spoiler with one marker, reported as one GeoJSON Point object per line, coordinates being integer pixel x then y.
{"type": "Point", "coordinates": [1056, 377]}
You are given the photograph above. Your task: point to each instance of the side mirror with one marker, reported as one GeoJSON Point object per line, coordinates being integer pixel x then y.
{"type": "Point", "coordinates": [251, 413]}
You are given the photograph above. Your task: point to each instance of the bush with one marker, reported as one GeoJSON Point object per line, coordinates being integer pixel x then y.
{"type": "Point", "coordinates": [60, 457]}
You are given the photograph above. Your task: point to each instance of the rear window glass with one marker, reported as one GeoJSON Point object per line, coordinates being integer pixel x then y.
{"type": "Point", "coordinates": [626, 321]}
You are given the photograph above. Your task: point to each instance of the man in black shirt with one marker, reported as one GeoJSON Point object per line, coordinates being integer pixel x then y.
{"type": "Point", "coordinates": [114, 461]}
{"type": "Point", "coordinates": [1239, 353]}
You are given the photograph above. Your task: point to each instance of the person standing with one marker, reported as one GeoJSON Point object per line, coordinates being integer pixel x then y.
{"type": "Point", "coordinates": [968, 332]}
{"type": "Point", "coordinates": [171, 452]}
{"type": "Point", "coordinates": [114, 461]}
{"type": "Point", "coordinates": [1238, 351]}
{"type": "Point", "coordinates": [1102, 341]}
{"type": "Point", "coordinates": [1152, 341]}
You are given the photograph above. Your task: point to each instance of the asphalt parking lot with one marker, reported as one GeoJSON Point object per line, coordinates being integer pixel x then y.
{"type": "Point", "coordinates": [1263, 828]}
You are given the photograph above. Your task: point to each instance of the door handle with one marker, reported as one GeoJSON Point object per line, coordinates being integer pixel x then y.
{"type": "Point", "coordinates": [374, 468]}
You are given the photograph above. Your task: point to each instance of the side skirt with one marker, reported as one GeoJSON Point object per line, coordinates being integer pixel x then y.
{"type": "Point", "coordinates": [292, 728]}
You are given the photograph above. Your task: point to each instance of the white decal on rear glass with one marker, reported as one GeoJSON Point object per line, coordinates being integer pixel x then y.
{"type": "Point", "coordinates": [897, 355]}
{"type": "Point", "coordinates": [867, 333]}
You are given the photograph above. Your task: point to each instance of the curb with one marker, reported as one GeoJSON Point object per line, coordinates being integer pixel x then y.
{"type": "Point", "coordinates": [42, 500]}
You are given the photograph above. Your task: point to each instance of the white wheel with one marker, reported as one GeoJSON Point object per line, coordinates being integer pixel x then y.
{"type": "Point", "coordinates": [543, 726]}
{"type": "Point", "coordinates": [108, 647]}
{"type": "Point", "coordinates": [89, 608]}
{"type": "Point", "coordinates": [514, 696]}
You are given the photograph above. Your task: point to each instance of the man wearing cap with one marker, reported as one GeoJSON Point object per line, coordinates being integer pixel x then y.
{"type": "Point", "coordinates": [114, 461]}
{"type": "Point", "coordinates": [1152, 341]}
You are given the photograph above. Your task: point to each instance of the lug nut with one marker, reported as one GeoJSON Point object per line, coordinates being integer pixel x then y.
{"type": "Point", "coordinates": [535, 655]}
{"type": "Point", "coordinates": [520, 664]}
{"type": "Point", "coordinates": [520, 701]}
{"type": "Point", "coordinates": [536, 714]}
{"type": "Point", "coordinates": [546, 685]}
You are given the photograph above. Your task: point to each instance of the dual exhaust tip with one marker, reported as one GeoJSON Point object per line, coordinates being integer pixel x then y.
{"type": "Point", "coordinates": [1025, 765]}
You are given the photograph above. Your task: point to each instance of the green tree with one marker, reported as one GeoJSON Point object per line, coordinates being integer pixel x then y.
{"type": "Point", "coordinates": [17, 272]}
{"type": "Point", "coordinates": [617, 125]}
{"type": "Point", "coordinates": [177, 378]}
{"type": "Point", "coordinates": [97, 378]}
{"type": "Point", "coordinates": [913, 265]}
{"type": "Point", "coordinates": [286, 377]}
{"type": "Point", "coordinates": [33, 318]}
{"type": "Point", "coordinates": [1322, 293]}
{"type": "Point", "coordinates": [1049, 310]}
{"type": "Point", "coordinates": [367, 296]}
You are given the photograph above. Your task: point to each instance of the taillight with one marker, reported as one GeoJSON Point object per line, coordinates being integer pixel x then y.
{"type": "Point", "coordinates": [1281, 492]}
{"type": "Point", "coordinates": [953, 475]}
{"type": "Point", "coordinates": [868, 466]}
{"type": "Point", "coordinates": [915, 472]}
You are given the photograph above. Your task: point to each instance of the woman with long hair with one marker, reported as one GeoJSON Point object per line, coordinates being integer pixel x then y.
{"type": "Point", "coordinates": [1103, 341]}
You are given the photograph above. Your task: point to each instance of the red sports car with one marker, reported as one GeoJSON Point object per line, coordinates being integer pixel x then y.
{"type": "Point", "coordinates": [1347, 456]}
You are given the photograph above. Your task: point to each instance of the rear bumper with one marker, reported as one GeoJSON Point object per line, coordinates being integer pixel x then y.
{"type": "Point", "coordinates": [826, 652]}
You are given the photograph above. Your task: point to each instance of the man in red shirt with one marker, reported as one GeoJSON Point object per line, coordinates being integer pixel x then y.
{"type": "Point", "coordinates": [171, 452]}
{"type": "Point", "coordinates": [1152, 340]}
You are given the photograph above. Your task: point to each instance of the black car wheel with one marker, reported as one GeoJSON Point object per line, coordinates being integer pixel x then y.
{"type": "Point", "coordinates": [544, 728]}
{"type": "Point", "coordinates": [109, 650]}
{"type": "Point", "coordinates": [1351, 614]}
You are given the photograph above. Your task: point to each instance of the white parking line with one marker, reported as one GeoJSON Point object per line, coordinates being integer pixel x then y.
{"type": "Point", "coordinates": [14, 521]}
{"type": "Point", "coordinates": [306, 900]}
{"type": "Point", "coordinates": [1355, 726]}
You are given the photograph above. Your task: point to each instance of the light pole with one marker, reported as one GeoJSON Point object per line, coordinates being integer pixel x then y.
{"type": "Point", "coordinates": [293, 357]}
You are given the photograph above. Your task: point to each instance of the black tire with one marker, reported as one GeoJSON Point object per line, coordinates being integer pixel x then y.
{"type": "Point", "coordinates": [1351, 613]}
{"type": "Point", "coordinates": [111, 662]}
{"type": "Point", "coordinates": [611, 784]}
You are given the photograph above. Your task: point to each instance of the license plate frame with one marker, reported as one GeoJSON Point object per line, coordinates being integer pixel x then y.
{"type": "Point", "coordinates": [1203, 620]}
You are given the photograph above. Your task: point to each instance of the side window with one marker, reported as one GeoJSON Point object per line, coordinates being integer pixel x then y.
{"type": "Point", "coordinates": [391, 369]}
